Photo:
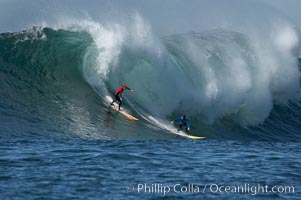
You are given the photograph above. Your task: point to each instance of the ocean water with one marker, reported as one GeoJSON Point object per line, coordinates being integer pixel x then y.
{"type": "Point", "coordinates": [39, 168]}
{"type": "Point", "coordinates": [239, 85]}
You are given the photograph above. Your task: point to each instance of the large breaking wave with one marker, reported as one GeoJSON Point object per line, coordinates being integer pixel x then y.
{"type": "Point", "coordinates": [206, 75]}
{"type": "Point", "coordinates": [223, 78]}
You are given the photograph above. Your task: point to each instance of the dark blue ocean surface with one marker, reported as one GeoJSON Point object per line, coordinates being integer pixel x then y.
{"type": "Point", "coordinates": [44, 168]}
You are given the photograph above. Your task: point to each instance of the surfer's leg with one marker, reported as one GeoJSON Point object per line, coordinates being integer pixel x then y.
{"type": "Point", "coordinates": [113, 102]}
{"type": "Point", "coordinates": [186, 128]}
{"type": "Point", "coordinates": [116, 98]}
{"type": "Point", "coordinates": [119, 104]}
{"type": "Point", "coordinates": [180, 127]}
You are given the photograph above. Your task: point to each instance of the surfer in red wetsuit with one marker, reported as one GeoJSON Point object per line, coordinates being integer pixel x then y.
{"type": "Point", "coordinates": [118, 94]}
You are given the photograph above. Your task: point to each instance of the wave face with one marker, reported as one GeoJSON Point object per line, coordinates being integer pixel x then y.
{"type": "Point", "coordinates": [42, 88]}
{"type": "Point", "coordinates": [228, 81]}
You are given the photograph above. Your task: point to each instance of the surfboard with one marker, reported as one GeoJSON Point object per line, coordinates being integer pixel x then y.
{"type": "Point", "coordinates": [122, 111]}
{"type": "Point", "coordinates": [183, 134]}
{"type": "Point", "coordinates": [172, 129]}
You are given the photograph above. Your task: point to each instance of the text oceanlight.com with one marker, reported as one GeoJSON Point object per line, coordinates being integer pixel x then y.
{"type": "Point", "coordinates": [158, 188]}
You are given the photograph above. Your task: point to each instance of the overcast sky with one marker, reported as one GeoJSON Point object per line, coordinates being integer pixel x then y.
{"type": "Point", "coordinates": [290, 8]}
{"type": "Point", "coordinates": [14, 11]}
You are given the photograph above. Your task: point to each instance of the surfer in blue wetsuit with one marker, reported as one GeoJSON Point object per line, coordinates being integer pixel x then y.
{"type": "Point", "coordinates": [183, 121]}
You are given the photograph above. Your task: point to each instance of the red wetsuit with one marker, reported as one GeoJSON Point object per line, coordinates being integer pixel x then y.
{"type": "Point", "coordinates": [120, 90]}
{"type": "Point", "coordinates": [118, 94]}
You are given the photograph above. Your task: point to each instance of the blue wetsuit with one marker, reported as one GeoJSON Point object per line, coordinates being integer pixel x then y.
{"type": "Point", "coordinates": [183, 121]}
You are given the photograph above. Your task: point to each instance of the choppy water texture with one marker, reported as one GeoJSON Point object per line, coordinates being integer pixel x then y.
{"type": "Point", "coordinates": [240, 88]}
{"type": "Point", "coordinates": [81, 169]}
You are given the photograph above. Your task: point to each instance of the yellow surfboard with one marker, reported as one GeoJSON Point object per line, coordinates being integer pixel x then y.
{"type": "Point", "coordinates": [195, 137]}
{"type": "Point", "coordinates": [108, 100]}
{"type": "Point", "coordinates": [182, 134]}
{"type": "Point", "coordinates": [124, 113]}
{"type": "Point", "coordinates": [172, 129]}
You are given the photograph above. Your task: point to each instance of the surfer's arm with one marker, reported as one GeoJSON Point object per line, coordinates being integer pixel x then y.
{"type": "Point", "coordinates": [129, 89]}
{"type": "Point", "coordinates": [188, 125]}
